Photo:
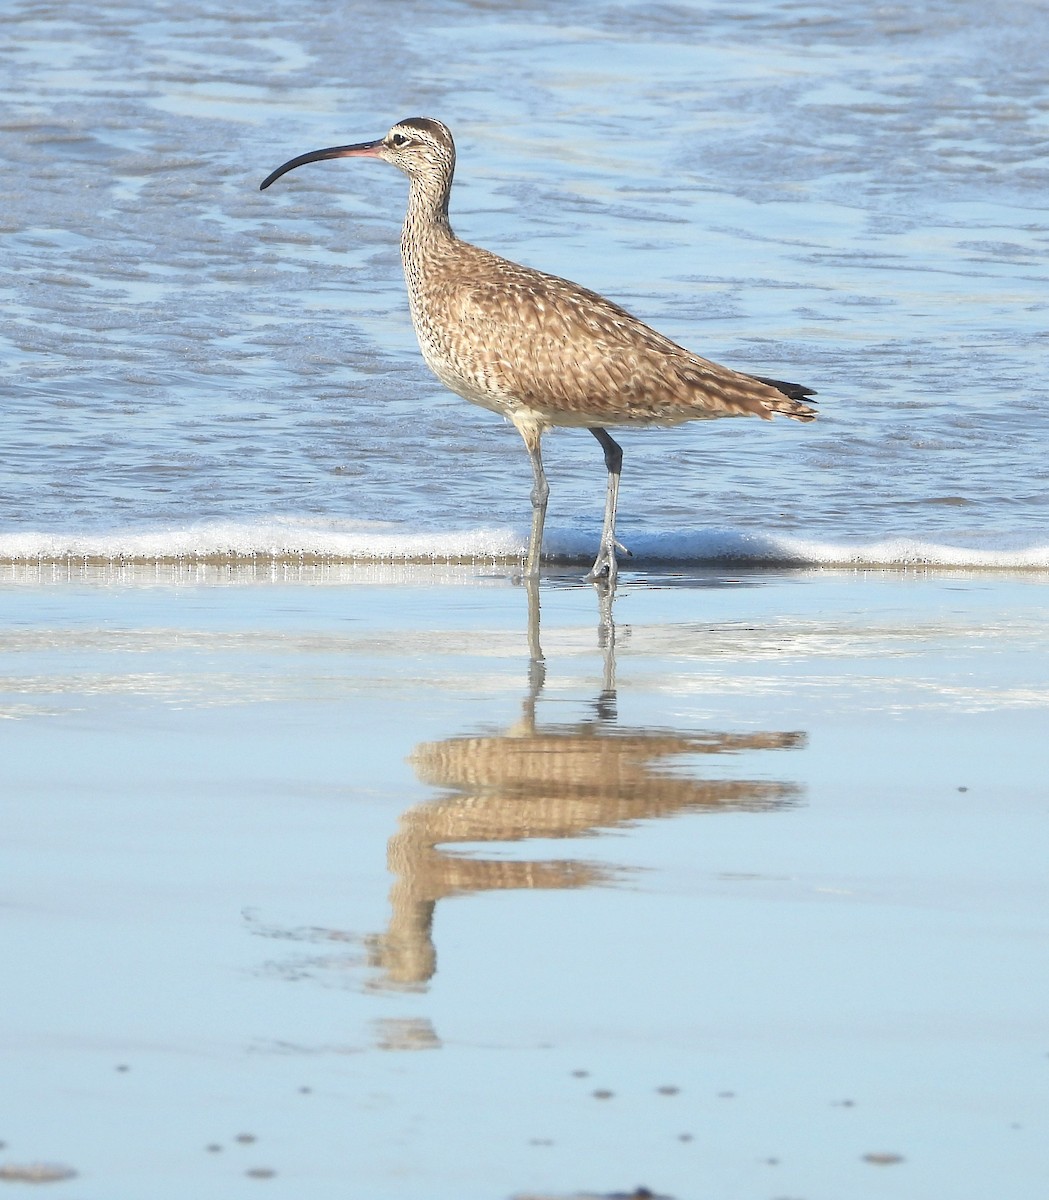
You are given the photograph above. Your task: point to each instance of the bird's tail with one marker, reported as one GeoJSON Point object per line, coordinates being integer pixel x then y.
{"type": "Point", "coordinates": [794, 394]}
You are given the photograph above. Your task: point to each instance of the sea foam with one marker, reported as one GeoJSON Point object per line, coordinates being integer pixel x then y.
{"type": "Point", "coordinates": [311, 539]}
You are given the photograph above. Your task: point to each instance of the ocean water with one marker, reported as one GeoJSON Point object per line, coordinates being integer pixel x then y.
{"type": "Point", "coordinates": [847, 195]}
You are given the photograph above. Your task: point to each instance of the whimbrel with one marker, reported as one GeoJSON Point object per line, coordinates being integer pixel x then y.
{"type": "Point", "coordinates": [538, 349]}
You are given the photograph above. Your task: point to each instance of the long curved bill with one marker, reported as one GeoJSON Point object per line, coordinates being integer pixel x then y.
{"type": "Point", "coordinates": [361, 150]}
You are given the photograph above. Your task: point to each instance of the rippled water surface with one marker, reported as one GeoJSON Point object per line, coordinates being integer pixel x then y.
{"type": "Point", "coordinates": [845, 195]}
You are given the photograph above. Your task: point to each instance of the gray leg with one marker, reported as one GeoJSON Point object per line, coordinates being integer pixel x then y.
{"type": "Point", "coordinates": [605, 565]}
{"type": "Point", "coordinates": [540, 495]}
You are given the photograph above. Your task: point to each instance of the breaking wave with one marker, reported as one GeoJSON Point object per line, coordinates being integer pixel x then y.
{"type": "Point", "coordinates": [312, 540]}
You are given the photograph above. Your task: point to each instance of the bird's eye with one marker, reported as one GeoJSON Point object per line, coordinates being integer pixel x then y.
{"type": "Point", "coordinates": [400, 140]}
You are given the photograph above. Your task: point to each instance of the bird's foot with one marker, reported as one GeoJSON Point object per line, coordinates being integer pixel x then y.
{"type": "Point", "coordinates": [531, 571]}
{"type": "Point", "coordinates": [605, 566]}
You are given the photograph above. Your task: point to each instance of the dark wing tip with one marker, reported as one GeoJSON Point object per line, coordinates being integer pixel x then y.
{"type": "Point", "coordinates": [793, 391]}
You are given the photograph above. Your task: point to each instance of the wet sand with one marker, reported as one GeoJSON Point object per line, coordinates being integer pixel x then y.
{"type": "Point", "coordinates": [313, 883]}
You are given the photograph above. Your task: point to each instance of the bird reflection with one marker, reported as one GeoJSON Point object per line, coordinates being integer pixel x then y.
{"type": "Point", "coordinates": [539, 779]}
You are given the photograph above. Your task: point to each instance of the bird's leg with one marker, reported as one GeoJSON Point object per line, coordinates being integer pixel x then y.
{"type": "Point", "coordinates": [605, 566]}
{"type": "Point", "coordinates": [540, 495]}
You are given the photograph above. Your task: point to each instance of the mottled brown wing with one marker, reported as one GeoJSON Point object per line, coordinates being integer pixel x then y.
{"type": "Point", "coordinates": [580, 359]}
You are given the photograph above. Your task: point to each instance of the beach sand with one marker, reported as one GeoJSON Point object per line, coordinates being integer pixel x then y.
{"type": "Point", "coordinates": [312, 884]}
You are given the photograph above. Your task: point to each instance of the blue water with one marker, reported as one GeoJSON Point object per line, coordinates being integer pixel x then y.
{"type": "Point", "coordinates": [846, 195]}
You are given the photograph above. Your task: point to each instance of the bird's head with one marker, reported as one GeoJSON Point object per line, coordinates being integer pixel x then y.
{"type": "Point", "coordinates": [419, 146]}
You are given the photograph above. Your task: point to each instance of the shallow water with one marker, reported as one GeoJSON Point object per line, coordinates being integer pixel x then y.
{"type": "Point", "coordinates": [846, 195]}
{"type": "Point", "coordinates": [304, 872]}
